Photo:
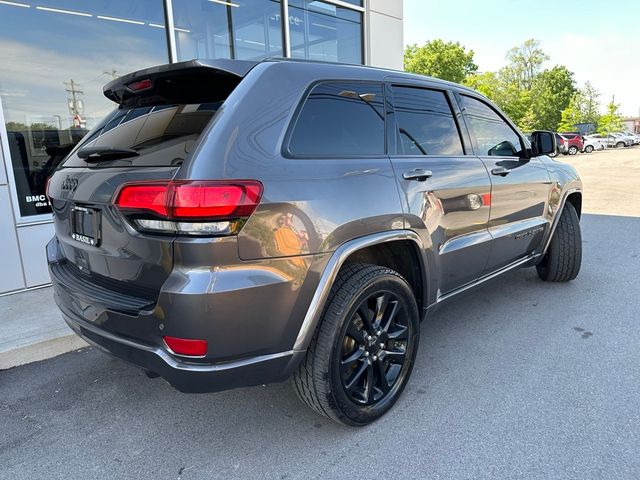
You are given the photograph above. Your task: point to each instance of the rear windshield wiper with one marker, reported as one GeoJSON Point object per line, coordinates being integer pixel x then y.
{"type": "Point", "coordinates": [97, 154]}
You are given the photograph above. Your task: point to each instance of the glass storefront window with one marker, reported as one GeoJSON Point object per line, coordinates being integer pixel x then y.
{"type": "Point", "coordinates": [58, 55]}
{"type": "Point", "coordinates": [323, 31]}
{"type": "Point", "coordinates": [241, 29]}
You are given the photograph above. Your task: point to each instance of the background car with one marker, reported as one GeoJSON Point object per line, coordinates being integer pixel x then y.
{"type": "Point", "coordinates": [591, 144]}
{"type": "Point", "coordinates": [575, 142]}
{"type": "Point", "coordinates": [610, 141]}
{"type": "Point", "coordinates": [561, 145]}
{"type": "Point", "coordinates": [634, 137]}
{"type": "Point", "coordinates": [623, 140]}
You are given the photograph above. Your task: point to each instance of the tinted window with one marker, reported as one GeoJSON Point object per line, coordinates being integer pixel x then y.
{"type": "Point", "coordinates": [162, 135]}
{"type": "Point", "coordinates": [425, 123]}
{"type": "Point", "coordinates": [340, 119]}
{"type": "Point", "coordinates": [493, 136]}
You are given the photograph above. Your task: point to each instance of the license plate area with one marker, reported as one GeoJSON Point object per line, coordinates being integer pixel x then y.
{"type": "Point", "coordinates": [85, 225]}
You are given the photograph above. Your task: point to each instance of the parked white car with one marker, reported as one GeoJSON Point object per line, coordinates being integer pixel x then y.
{"type": "Point", "coordinates": [621, 137]}
{"type": "Point", "coordinates": [592, 143]}
{"type": "Point", "coordinates": [634, 136]}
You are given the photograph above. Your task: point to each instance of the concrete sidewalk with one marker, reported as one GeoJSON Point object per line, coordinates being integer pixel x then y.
{"type": "Point", "coordinates": [33, 329]}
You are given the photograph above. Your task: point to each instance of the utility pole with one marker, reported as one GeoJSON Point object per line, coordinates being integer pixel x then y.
{"type": "Point", "coordinates": [76, 105]}
{"type": "Point", "coordinates": [113, 74]}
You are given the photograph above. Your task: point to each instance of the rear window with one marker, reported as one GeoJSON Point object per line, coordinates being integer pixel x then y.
{"type": "Point", "coordinates": [161, 135]}
{"type": "Point", "coordinates": [340, 119]}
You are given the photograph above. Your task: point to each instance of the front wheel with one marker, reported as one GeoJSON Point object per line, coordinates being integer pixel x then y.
{"type": "Point", "coordinates": [562, 261]}
{"type": "Point", "coordinates": [362, 353]}
{"type": "Point", "coordinates": [588, 149]}
{"type": "Point", "coordinates": [620, 144]}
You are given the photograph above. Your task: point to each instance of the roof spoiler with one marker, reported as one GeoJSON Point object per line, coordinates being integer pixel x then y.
{"type": "Point", "coordinates": [193, 81]}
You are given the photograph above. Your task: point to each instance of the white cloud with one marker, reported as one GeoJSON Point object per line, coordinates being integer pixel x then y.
{"type": "Point", "coordinates": [31, 84]}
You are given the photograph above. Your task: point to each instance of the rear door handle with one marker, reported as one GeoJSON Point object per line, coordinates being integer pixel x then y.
{"type": "Point", "coordinates": [503, 172]}
{"type": "Point", "coordinates": [419, 174]}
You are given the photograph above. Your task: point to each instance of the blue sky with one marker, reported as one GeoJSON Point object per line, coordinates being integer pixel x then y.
{"type": "Point", "coordinates": [598, 41]}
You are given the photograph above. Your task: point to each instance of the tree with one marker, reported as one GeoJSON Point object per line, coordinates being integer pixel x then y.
{"type": "Point", "coordinates": [571, 115]}
{"type": "Point", "coordinates": [610, 121]}
{"type": "Point", "coordinates": [551, 93]}
{"type": "Point", "coordinates": [525, 62]}
{"type": "Point", "coordinates": [591, 104]}
{"type": "Point", "coordinates": [445, 60]}
{"type": "Point", "coordinates": [486, 83]}
{"type": "Point", "coordinates": [583, 108]}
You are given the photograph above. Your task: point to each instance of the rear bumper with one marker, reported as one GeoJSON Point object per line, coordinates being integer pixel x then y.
{"type": "Point", "coordinates": [189, 377]}
{"type": "Point", "coordinates": [250, 320]}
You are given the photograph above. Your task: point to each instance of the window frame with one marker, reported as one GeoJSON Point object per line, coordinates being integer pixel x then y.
{"type": "Point", "coordinates": [524, 145]}
{"type": "Point", "coordinates": [463, 134]}
{"type": "Point", "coordinates": [286, 142]}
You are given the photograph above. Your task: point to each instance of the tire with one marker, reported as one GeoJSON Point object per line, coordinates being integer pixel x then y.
{"type": "Point", "coordinates": [588, 149]}
{"type": "Point", "coordinates": [562, 261]}
{"type": "Point", "coordinates": [572, 150]}
{"type": "Point", "coordinates": [554, 154]}
{"type": "Point", "coordinates": [620, 144]}
{"type": "Point", "coordinates": [340, 376]}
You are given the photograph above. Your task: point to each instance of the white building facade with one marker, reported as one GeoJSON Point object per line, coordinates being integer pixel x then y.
{"type": "Point", "coordinates": [57, 55]}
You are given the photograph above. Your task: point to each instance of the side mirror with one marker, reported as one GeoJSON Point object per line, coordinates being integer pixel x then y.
{"type": "Point", "coordinates": [543, 143]}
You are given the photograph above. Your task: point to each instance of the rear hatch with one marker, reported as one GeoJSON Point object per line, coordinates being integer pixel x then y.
{"type": "Point", "coordinates": [161, 116]}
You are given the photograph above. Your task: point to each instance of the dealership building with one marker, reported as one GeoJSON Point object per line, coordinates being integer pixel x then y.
{"type": "Point", "coordinates": [57, 54]}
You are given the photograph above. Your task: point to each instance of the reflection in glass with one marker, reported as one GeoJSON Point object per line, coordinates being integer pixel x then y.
{"type": "Point", "coordinates": [60, 55]}
{"type": "Point", "coordinates": [241, 29]}
{"type": "Point", "coordinates": [493, 136]}
{"type": "Point", "coordinates": [326, 32]}
{"type": "Point", "coordinates": [340, 119]}
{"type": "Point", "coordinates": [425, 122]}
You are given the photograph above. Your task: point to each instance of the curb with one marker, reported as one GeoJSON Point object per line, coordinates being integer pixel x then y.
{"type": "Point", "coordinates": [40, 351]}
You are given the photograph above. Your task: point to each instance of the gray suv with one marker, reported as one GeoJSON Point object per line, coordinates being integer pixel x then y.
{"type": "Point", "coordinates": [236, 223]}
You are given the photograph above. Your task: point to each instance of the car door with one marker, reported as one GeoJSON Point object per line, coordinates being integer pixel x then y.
{"type": "Point", "coordinates": [443, 186]}
{"type": "Point", "coordinates": [520, 187]}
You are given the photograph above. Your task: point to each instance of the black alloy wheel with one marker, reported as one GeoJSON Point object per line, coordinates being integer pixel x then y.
{"type": "Point", "coordinates": [374, 348]}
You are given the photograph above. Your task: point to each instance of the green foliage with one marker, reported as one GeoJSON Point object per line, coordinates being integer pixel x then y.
{"type": "Point", "coordinates": [22, 127]}
{"type": "Point", "coordinates": [535, 98]}
{"type": "Point", "coordinates": [583, 108]}
{"type": "Point", "coordinates": [445, 60]}
{"type": "Point", "coordinates": [532, 97]}
{"type": "Point", "coordinates": [551, 93]}
{"type": "Point", "coordinates": [610, 121]}
{"type": "Point", "coordinates": [486, 83]}
{"type": "Point", "coordinates": [525, 63]}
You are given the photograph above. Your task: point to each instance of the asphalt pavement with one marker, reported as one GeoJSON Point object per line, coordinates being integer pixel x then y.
{"type": "Point", "coordinates": [517, 379]}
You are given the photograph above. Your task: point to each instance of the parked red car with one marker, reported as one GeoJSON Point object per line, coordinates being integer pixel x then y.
{"type": "Point", "coordinates": [574, 142]}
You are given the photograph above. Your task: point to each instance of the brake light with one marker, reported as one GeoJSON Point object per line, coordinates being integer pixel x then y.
{"type": "Point", "coordinates": [190, 207]}
{"type": "Point", "coordinates": [187, 346]}
{"type": "Point", "coordinates": [144, 197]}
{"type": "Point", "coordinates": [140, 85]}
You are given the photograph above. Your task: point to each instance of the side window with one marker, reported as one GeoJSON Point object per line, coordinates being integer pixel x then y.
{"type": "Point", "coordinates": [340, 119]}
{"type": "Point", "coordinates": [425, 122]}
{"type": "Point", "coordinates": [493, 136]}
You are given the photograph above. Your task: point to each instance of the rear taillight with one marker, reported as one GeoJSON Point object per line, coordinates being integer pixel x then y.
{"type": "Point", "coordinates": [189, 207]}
